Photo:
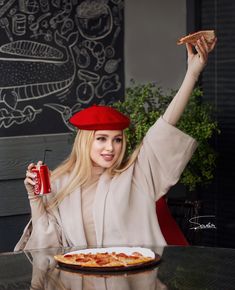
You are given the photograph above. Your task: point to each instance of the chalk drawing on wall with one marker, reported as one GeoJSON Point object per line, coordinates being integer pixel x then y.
{"type": "Point", "coordinates": [57, 57]}
{"type": "Point", "coordinates": [94, 19]}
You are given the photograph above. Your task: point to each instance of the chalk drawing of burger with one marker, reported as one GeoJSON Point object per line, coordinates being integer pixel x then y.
{"type": "Point", "coordinates": [94, 19]}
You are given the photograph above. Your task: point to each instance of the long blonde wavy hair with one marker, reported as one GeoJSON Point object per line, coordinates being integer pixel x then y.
{"type": "Point", "coordinates": [78, 165]}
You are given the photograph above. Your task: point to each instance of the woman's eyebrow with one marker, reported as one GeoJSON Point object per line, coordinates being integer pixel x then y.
{"type": "Point", "coordinates": [107, 135]}
{"type": "Point", "coordinates": [100, 134]}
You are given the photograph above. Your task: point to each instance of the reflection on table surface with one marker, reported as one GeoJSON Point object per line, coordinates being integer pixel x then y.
{"type": "Point", "coordinates": [180, 268]}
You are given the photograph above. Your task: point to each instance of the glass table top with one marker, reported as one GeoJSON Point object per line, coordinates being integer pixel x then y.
{"type": "Point", "coordinates": [182, 268]}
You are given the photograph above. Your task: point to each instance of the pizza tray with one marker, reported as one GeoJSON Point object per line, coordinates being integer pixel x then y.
{"type": "Point", "coordinates": [114, 269]}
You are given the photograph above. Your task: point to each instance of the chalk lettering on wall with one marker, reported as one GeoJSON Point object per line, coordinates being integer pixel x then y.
{"type": "Point", "coordinates": [56, 58]}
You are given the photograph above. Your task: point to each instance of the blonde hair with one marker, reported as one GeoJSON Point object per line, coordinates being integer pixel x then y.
{"type": "Point", "coordinates": [79, 165]}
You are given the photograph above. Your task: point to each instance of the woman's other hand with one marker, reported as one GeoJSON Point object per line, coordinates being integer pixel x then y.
{"type": "Point", "coordinates": [29, 181]}
{"type": "Point", "coordinates": [36, 202]}
{"type": "Point", "coordinates": [198, 60]}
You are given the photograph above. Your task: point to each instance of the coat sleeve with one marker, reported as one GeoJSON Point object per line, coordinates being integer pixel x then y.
{"type": "Point", "coordinates": [164, 154]}
{"type": "Point", "coordinates": [45, 233]}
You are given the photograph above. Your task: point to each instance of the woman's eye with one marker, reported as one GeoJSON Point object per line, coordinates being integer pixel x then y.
{"type": "Point", "coordinates": [100, 138]}
{"type": "Point", "coordinates": [118, 140]}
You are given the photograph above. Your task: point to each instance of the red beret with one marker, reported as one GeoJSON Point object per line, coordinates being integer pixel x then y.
{"type": "Point", "coordinates": [99, 118]}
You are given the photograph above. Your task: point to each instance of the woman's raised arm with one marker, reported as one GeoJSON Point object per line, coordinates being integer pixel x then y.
{"type": "Point", "coordinates": [196, 63]}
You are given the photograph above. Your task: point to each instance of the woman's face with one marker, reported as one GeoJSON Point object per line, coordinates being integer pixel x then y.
{"type": "Point", "coordinates": [106, 147]}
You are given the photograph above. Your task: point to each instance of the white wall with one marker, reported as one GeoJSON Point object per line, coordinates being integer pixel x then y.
{"type": "Point", "coordinates": [152, 28]}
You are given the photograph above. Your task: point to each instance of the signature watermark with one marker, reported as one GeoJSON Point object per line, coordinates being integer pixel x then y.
{"type": "Point", "coordinates": [202, 222]}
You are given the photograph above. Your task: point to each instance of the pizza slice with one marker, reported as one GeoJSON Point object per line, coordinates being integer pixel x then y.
{"type": "Point", "coordinates": [192, 38]}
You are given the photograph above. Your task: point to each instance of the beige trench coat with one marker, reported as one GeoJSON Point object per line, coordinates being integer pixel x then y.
{"type": "Point", "coordinates": [124, 206]}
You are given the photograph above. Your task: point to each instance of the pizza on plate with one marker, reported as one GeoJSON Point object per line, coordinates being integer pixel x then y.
{"type": "Point", "coordinates": [103, 259]}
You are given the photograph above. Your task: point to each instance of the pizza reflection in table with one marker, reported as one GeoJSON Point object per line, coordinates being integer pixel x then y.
{"type": "Point", "coordinates": [46, 274]}
{"type": "Point", "coordinates": [60, 279]}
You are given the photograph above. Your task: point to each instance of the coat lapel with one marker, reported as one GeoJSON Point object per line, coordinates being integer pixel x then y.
{"type": "Point", "coordinates": [99, 206]}
{"type": "Point", "coordinates": [71, 216]}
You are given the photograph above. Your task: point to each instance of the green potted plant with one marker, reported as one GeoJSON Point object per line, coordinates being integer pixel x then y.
{"type": "Point", "coordinates": [144, 103]}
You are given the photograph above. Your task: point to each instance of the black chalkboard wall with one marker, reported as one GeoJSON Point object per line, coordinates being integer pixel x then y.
{"type": "Point", "coordinates": [57, 57]}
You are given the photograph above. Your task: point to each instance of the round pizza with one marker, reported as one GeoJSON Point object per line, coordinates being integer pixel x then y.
{"type": "Point", "coordinates": [104, 259]}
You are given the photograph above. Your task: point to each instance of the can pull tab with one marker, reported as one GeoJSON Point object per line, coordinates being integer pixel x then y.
{"type": "Point", "coordinates": [44, 155]}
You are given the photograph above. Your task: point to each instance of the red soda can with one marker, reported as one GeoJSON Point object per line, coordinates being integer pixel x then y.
{"type": "Point", "coordinates": [42, 180]}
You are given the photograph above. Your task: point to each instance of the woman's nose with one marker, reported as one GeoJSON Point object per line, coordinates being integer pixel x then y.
{"type": "Point", "coordinates": [109, 146]}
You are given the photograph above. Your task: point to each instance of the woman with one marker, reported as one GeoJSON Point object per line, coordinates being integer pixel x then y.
{"type": "Point", "coordinates": [97, 198]}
